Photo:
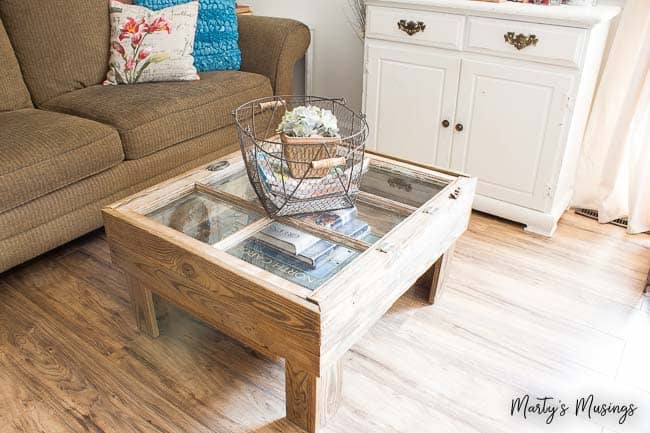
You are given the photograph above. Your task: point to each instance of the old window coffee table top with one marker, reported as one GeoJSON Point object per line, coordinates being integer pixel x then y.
{"type": "Point", "coordinates": [193, 241]}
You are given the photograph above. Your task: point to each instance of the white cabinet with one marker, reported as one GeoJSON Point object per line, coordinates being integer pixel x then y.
{"type": "Point", "coordinates": [412, 91]}
{"type": "Point", "coordinates": [513, 120]}
{"type": "Point", "coordinates": [499, 91]}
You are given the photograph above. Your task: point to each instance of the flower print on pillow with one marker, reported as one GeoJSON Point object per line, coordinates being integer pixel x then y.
{"type": "Point", "coordinates": [151, 46]}
{"type": "Point", "coordinates": [137, 56]}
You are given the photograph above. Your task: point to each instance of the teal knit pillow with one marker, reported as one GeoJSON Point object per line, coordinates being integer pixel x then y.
{"type": "Point", "coordinates": [216, 45]}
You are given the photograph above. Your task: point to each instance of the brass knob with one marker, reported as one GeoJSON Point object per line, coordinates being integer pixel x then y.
{"type": "Point", "coordinates": [445, 123]}
{"type": "Point", "coordinates": [459, 127]}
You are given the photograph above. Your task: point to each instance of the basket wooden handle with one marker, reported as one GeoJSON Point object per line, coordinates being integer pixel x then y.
{"type": "Point", "coordinates": [328, 163]}
{"type": "Point", "coordinates": [272, 104]}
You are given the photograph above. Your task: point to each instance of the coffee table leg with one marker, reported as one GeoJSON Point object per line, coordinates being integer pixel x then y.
{"type": "Point", "coordinates": [311, 400]}
{"type": "Point", "coordinates": [438, 275]}
{"type": "Point", "coordinates": [143, 307]}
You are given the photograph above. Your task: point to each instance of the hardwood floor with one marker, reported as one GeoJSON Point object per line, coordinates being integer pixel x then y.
{"type": "Point", "coordinates": [561, 317]}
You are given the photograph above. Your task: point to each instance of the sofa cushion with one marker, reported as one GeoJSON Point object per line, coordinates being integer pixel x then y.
{"type": "Point", "coordinates": [44, 151]}
{"type": "Point", "coordinates": [13, 92]}
{"type": "Point", "coordinates": [61, 45]}
{"type": "Point", "coordinates": [154, 116]}
{"type": "Point", "coordinates": [67, 213]}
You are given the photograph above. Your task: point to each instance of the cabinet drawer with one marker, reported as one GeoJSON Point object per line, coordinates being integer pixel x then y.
{"type": "Point", "coordinates": [554, 44]}
{"type": "Point", "coordinates": [440, 30]}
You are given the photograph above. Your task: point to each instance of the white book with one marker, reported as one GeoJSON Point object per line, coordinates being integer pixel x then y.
{"type": "Point", "coordinates": [321, 250]}
{"type": "Point", "coordinates": [288, 239]}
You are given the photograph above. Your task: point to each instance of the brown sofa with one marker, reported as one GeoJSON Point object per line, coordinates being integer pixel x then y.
{"type": "Point", "coordinates": [69, 145]}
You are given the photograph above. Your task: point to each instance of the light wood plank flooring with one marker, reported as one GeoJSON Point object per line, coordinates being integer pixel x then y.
{"type": "Point", "coordinates": [560, 317]}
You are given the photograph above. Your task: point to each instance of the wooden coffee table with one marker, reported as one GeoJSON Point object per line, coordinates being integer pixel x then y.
{"type": "Point", "coordinates": [191, 241]}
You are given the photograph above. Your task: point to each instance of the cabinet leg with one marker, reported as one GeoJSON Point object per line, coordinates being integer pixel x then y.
{"type": "Point", "coordinates": [143, 307]}
{"type": "Point", "coordinates": [436, 277]}
{"type": "Point", "coordinates": [312, 400]}
{"type": "Point", "coordinates": [544, 228]}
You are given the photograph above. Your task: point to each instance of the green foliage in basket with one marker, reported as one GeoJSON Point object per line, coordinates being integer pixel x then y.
{"type": "Point", "coordinates": [309, 121]}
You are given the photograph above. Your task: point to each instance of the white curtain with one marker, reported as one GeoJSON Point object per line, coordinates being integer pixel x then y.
{"type": "Point", "coordinates": [613, 173]}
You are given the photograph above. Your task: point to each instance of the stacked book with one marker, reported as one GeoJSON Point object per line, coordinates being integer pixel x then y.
{"type": "Point", "coordinates": [301, 257]}
{"type": "Point", "coordinates": [310, 249]}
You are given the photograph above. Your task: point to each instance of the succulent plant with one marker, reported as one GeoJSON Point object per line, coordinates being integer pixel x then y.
{"type": "Point", "coordinates": [309, 121]}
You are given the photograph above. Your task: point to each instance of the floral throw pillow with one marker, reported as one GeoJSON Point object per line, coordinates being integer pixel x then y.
{"type": "Point", "coordinates": [151, 45]}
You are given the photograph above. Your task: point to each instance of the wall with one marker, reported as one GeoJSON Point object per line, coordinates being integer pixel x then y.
{"type": "Point", "coordinates": [338, 53]}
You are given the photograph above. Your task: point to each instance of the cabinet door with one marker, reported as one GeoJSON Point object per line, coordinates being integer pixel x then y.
{"type": "Point", "coordinates": [513, 122]}
{"type": "Point", "coordinates": [410, 90]}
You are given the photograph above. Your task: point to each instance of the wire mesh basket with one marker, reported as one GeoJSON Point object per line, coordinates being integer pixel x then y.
{"type": "Point", "coordinates": [296, 175]}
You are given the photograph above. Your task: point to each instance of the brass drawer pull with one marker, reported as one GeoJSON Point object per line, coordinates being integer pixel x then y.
{"type": "Point", "coordinates": [411, 27]}
{"type": "Point", "coordinates": [520, 41]}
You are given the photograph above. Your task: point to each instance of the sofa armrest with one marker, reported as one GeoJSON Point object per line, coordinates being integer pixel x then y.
{"type": "Point", "coordinates": [271, 47]}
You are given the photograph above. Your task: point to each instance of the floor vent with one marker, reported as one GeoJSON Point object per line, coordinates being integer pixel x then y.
{"type": "Point", "coordinates": [590, 213]}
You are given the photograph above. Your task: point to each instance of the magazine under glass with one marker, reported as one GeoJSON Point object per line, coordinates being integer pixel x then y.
{"type": "Point", "coordinates": [296, 256]}
{"type": "Point", "coordinates": [203, 217]}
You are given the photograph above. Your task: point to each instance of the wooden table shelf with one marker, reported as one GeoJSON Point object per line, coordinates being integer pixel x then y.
{"type": "Point", "coordinates": [190, 241]}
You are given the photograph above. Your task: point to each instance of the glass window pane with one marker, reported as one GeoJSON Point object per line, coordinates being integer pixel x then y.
{"type": "Point", "coordinates": [203, 217]}
{"type": "Point", "coordinates": [380, 220]}
{"type": "Point", "coordinates": [237, 184]}
{"type": "Point", "coordinates": [294, 255]}
{"type": "Point", "coordinates": [400, 187]}
{"type": "Point", "coordinates": [366, 222]}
